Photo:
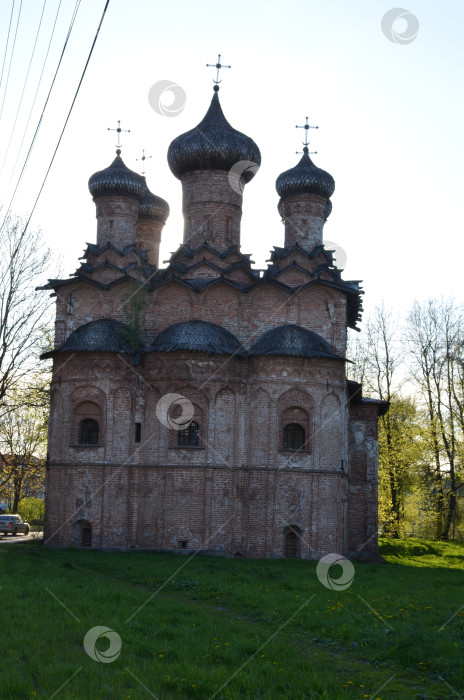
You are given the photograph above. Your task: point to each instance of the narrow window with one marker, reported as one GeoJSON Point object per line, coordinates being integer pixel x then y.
{"type": "Point", "coordinates": [189, 437]}
{"type": "Point", "coordinates": [294, 437]}
{"type": "Point", "coordinates": [88, 432]}
{"type": "Point", "coordinates": [138, 432]}
{"type": "Point", "coordinates": [70, 304]}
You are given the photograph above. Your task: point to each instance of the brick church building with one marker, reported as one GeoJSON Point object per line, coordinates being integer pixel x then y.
{"type": "Point", "coordinates": [270, 451]}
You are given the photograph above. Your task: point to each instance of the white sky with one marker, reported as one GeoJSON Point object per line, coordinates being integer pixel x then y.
{"type": "Point", "coordinates": [390, 119]}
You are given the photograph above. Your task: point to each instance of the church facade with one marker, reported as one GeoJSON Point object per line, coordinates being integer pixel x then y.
{"type": "Point", "coordinates": [205, 405]}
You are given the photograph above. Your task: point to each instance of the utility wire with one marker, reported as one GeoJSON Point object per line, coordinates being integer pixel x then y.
{"type": "Point", "coordinates": [35, 96]}
{"type": "Point", "coordinates": [7, 41]}
{"type": "Point", "coordinates": [11, 57]}
{"type": "Point", "coordinates": [76, 7]}
{"type": "Point", "coordinates": [24, 87]}
{"type": "Point", "coordinates": [69, 113]}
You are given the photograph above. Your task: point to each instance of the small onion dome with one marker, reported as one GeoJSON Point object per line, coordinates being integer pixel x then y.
{"type": "Point", "coordinates": [117, 179]}
{"type": "Point", "coordinates": [153, 207]}
{"type": "Point", "coordinates": [104, 335]}
{"type": "Point", "coordinates": [305, 178]}
{"type": "Point", "coordinates": [328, 209]}
{"type": "Point", "coordinates": [292, 340]}
{"type": "Point", "coordinates": [198, 335]}
{"type": "Point", "coordinates": [213, 145]}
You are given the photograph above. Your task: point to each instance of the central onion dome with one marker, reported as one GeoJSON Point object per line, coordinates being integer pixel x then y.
{"type": "Point", "coordinates": [213, 145]}
{"type": "Point", "coordinates": [305, 178]}
{"type": "Point", "coordinates": [118, 179]}
{"type": "Point", "coordinates": [154, 208]}
{"type": "Point", "coordinates": [201, 336]}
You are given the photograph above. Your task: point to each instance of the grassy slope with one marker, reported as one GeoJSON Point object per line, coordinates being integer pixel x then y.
{"type": "Point", "coordinates": [220, 628]}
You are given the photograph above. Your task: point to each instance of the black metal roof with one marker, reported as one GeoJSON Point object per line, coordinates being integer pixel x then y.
{"type": "Point", "coordinates": [154, 207]}
{"type": "Point", "coordinates": [212, 145]}
{"type": "Point", "coordinates": [198, 335]}
{"type": "Point", "coordinates": [118, 179]}
{"type": "Point", "coordinates": [292, 340]}
{"type": "Point", "coordinates": [305, 178]}
{"type": "Point", "coordinates": [355, 395]}
{"type": "Point", "coordinates": [104, 335]}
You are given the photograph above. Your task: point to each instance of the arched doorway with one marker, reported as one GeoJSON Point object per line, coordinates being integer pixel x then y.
{"type": "Point", "coordinates": [292, 542]}
{"type": "Point", "coordinates": [83, 533]}
{"type": "Point", "coordinates": [86, 536]}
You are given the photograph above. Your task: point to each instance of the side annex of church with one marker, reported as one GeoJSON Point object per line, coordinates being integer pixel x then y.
{"type": "Point", "coordinates": [205, 405]}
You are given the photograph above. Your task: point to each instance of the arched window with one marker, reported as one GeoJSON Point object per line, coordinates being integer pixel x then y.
{"type": "Point", "coordinates": [294, 437]}
{"type": "Point", "coordinates": [88, 432]}
{"type": "Point", "coordinates": [189, 437]}
{"type": "Point", "coordinates": [295, 427]}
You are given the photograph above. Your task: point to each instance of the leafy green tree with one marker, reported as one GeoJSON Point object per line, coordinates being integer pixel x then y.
{"type": "Point", "coordinates": [435, 334]}
{"type": "Point", "coordinates": [23, 439]}
{"type": "Point", "coordinates": [401, 450]}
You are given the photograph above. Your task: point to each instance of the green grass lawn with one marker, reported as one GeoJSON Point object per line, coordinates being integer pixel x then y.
{"type": "Point", "coordinates": [212, 628]}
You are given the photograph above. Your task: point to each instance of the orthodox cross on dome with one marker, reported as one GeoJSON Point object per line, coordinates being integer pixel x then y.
{"type": "Point", "coordinates": [218, 67]}
{"type": "Point", "coordinates": [305, 143]}
{"type": "Point", "coordinates": [118, 130]}
{"type": "Point", "coordinates": [143, 159]}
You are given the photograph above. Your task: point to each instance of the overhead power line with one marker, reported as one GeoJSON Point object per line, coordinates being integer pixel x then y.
{"type": "Point", "coordinates": [76, 8]}
{"type": "Point", "coordinates": [36, 93]}
{"type": "Point", "coordinates": [24, 87]}
{"type": "Point", "coordinates": [70, 111]}
{"type": "Point", "coordinates": [7, 42]}
{"type": "Point", "coordinates": [11, 57]}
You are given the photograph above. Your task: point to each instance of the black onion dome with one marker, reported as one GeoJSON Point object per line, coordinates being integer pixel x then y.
{"type": "Point", "coordinates": [213, 145]}
{"type": "Point", "coordinates": [292, 340]}
{"type": "Point", "coordinates": [153, 207]}
{"type": "Point", "coordinates": [105, 335]}
{"type": "Point", "coordinates": [198, 335]}
{"type": "Point", "coordinates": [305, 178]}
{"type": "Point", "coordinates": [118, 179]}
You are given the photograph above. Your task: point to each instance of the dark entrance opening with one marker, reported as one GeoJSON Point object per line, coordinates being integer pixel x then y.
{"type": "Point", "coordinates": [86, 536]}
{"type": "Point", "coordinates": [291, 545]}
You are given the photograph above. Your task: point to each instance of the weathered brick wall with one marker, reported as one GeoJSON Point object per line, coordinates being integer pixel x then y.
{"type": "Point", "coordinates": [247, 316]}
{"type": "Point", "coordinates": [148, 238]}
{"type": "Point", "coordinates": [304, 216]}
{"type": "Point", "coordinates": [212, 208]}
{"type": "Point", "coordinates": [236, 493]}
{"type": "Point", "coordinates": [116, 220]}
{"type": "Point", "coordinates": [363, 482]}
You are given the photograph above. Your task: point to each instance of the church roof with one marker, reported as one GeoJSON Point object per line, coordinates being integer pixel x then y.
{"type": "Point", "coordinates": [212, 145]}
{"type": "Point", "coordinates": [104, 335]}
{"type": "Point", "coordinates": [153, 207]}
{"type": "Point", "coordinates": [198, 335]}
{"type": "Point", "coordinates": [118, 179]}
{"type": "Point", "coordinates": [292, 340]}
{"type": "Point", "coordinates": [355, 396]}
{"type": "Point", "coordinates": [305, 177]}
